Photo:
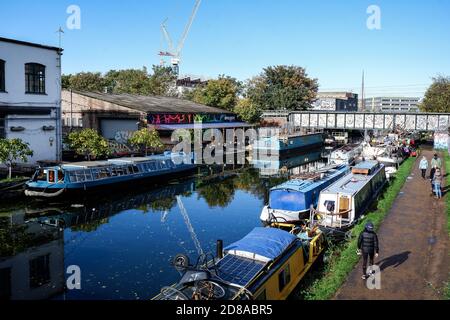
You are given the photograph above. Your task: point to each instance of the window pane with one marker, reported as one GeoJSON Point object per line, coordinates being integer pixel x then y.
{"type": "Point", "coordinates": [2, 75]}
{"type": "Point", "coordinates": [39, 271]}
{"type": "Point", "coordinates": [34, 78]}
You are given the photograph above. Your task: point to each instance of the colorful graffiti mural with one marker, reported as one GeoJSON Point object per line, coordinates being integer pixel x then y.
{"type": "Point", "coordinates": [181, 118]}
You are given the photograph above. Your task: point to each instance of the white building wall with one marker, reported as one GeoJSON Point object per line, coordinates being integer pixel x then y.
{"type": "Point", "coordinates": [45, 144]}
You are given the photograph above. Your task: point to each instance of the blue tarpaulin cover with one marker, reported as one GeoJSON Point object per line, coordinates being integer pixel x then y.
{"type": "Point", "coordinates": [265, 244]}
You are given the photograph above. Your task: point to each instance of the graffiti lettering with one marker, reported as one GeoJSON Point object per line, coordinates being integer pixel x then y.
{"type": "Point", "coordinates": [157, 119]}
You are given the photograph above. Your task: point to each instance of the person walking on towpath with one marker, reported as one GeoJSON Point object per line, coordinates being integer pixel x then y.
{"type": "Point", "coordinates": [368, 247]}
{"type": "Point", "coordinates": [424, 166]}
{"type": "Point", "coordinates": [436, 163]}
{"type": "Point", "coordinates": [437, 183]}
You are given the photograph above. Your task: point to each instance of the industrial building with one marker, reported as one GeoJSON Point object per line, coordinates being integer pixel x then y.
{"type": "Point", "coordinates": [116, 116]}
{"type": "Point", "coordinates": [336, 101]}
{"type": "Point", "coordinates": [392, 104]}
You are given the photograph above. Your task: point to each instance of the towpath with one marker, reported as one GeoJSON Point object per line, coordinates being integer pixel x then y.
{"type": "Point", "coordinates": [414, 252]}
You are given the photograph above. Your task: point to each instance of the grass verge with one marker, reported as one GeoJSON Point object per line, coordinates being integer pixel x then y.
{"type": "Point", "coordinates": [447, 202]}
{"type": "Point", "coordinates": [343, 258]}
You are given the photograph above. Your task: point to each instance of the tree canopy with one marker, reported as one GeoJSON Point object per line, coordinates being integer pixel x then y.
{"type": "Point", "coordinates": [146, 139]}
{"type": "Point", "coordinates": [88, 143]}
{"type": "Point", "coordinates": [437, 97]}
{"type": "Point", "coordinates": [247, 111]}
{"type": "Point", "coordinates": [220, 93]}
{"type": "Point", "coordinates": [13, 151]}
{"type": "Point", "coordinates": [131, 81]}
{"type": "Point", "coordinates": [282, 88]}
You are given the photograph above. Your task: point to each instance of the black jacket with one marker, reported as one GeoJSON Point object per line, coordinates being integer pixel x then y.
{"type": "Point", "coordinates": [368, 241]}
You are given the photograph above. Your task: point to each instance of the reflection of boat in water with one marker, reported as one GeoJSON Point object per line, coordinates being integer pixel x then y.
{"type": "Point", "coordinates": [267, 264]}
{"type": "Point", "coordinates": [292, 200]}
{"type": "Point", "coordinates": [346, 154]}
{"type": "Point", "coordinates": [343, 203]}
{"type": "Point", "coordinates": [82, 177]}
{"type": "Point", "coordinates": [276, 167]}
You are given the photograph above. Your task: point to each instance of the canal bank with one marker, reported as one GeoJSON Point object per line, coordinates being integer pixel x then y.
{"type": "Point", "coordinates": [342, 258]}
{"type": "Point", "coordinates": [413, 259]}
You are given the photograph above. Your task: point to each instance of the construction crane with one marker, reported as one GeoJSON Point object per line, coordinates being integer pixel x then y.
{"type": "Point", "coordinates": [175, 52]}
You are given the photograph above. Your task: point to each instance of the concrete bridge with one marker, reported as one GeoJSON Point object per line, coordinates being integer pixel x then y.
{"type": "Point", "coordinates": [433, 122]}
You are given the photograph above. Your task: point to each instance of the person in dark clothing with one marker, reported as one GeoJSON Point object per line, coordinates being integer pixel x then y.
{"type": "Point", "coordinates": [368, 247]}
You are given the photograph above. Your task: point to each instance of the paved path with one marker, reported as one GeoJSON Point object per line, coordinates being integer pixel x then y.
{"type": "Point", "coordinates": [414, 252]}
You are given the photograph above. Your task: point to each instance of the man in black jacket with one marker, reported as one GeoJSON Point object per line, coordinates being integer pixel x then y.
{"type": "Point", "coordinates": [368, 247]}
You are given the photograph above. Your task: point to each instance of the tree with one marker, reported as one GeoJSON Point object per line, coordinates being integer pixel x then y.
{"type": "Point", "coordinates": [84, 81]}
{"type": "Point", "coordinates": [162, 81]}
{"type": "Point", "coordinates": [282, 88]}
{"type": "Point", "coordinates": [12, 151]}
{"type": "Point", "coordinates": [145, 139]}
{"type": "Point", "coordinates": [88, 143]}
{"type": "Point", "coordinates": [437, 97]}
{"type": "Point", "coordinates": [131, 81]}
{"type": "Point", "coordinates": [221, 93]}
{"type": "Point", "coordinates": [247, 111]}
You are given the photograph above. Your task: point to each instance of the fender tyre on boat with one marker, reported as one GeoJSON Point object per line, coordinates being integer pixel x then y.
{"type": "Point", "coordinates": [181, 262]}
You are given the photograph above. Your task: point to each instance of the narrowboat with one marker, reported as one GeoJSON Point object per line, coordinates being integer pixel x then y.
{"type": "Point", "coordinates": [344, 202]}
{"type": "Point", "coordinates": [292, 200]}
{"type": "Point", "coordinates": [267, 264]}
{"type": "Point", "coordinates": [346, 154]}
{"type": "Point", "coordinates": [285, 144]}
{"type": "Point", "coordinates": [81, 177]}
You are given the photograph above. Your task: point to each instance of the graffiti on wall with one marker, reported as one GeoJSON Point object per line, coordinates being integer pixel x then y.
{"type": "Point", "coordinates": [156, 119]}
{"type": "Point", "coordinates": [441, 141]}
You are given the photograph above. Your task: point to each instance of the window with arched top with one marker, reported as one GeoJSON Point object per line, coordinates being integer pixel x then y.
{"type": "Point", "coordinates": [34, 78]}
{"type": "Point", "coordinates": [2, 75]}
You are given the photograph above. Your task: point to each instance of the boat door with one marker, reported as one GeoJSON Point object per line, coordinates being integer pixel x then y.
{"type": "Point", "coordinates": [344, 206]}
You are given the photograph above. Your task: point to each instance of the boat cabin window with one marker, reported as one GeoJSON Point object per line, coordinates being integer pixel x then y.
{"type": "Point", "coordinates": [284, 277]}
{"type": "Point", "coordinates": [40, 175]}
{"type": "Point", "coordinates": [60, 176]}
{"type": "Point", "coordinates": [51, 176]}
{"type": "Point", "coordinates": [151, 166]}
{"type": "Point", "coordinates": [330, 205]}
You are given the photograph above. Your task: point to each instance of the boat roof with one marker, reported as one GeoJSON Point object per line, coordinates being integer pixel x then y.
{"type": "Point", "coordinates": [85, 165]}
{"type": "Point", "coordinates": [302, 185]}
{"type": "Point", "coordinates": [353, 182]}
{"type": "Point", "coordinates": [262, 244]}
{"type": "Point", "coordinates": [131, 160]}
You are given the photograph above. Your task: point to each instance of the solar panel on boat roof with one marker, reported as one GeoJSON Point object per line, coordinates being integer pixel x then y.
{"type": "Point", "coordinates": [238, 270]}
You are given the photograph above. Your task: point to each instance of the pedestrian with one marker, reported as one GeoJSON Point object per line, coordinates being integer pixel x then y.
{"type": "Point", "coordinates": [437, 181]}
{"type": "Point", "coordinates": [368, 247]}
{"type": "Point", "coordinates": [435, 163]}
{"type": "Point", "coordinates": [424, 167]}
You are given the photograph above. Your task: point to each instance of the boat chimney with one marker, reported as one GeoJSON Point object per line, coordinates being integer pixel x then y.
{"type": "Point", "coordinates": [219, 249]}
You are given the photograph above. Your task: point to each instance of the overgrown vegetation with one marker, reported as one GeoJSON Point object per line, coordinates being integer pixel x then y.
{"type": "Point", "coordinates": [342, 259]}
{"type": "Point", "coordinates": [447, 202]}
{"type": "Point", "coordinates": [88, 143]}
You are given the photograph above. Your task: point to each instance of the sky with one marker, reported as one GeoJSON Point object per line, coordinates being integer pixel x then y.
{"type": "Point", "coordinates": [239, 38]}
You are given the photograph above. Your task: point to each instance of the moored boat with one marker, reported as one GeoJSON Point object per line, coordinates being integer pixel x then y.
{"type": "Point", "coordinates": [81, 177]}
{"type": "Point", "coordinates": [292, 200]}
{"type": "Point", "coordinates": [346, 154]}
{"type": "Point", "coordinates": [286, 144]}
{"type": "Point", "coordinates": [344, 202]}
{"type": "Point", "coordinates": [267, 264]}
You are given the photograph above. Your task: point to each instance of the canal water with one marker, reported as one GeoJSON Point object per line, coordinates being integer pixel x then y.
{"type": "Point", "coordinates": [123, 243]}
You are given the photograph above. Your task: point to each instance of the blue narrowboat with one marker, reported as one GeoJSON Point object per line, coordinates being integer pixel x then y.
{"type": "Point", "coordinates": [292, 200]}
{"type": "Point", "coordinates": [91, 175]}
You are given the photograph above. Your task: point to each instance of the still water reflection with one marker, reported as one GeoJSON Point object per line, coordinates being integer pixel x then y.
{"type": "Point", "coordinates": [124, 243]}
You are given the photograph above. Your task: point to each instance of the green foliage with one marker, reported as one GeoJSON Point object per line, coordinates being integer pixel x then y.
{"type": "Point", "coordinates": [88, 143]}
{"type": "Point", "coordinates": [130, 81]}
{"type": "Point", "coordinates": [344, 259]}
{"type": "Point", "coordinates": [221, 93]}
{"type": "Point", "coordinates": [437, 97]}
{"type": "Point", "coordinates": [12, 151]}
{"type": "Point", "coordinates": [282, 88]}
{"type": "Point", "coordinates": [84, 81]}
{"type": "Point", "coordinates": [247, 111]}
{"type": "Point", "coordinates": [146, 139]}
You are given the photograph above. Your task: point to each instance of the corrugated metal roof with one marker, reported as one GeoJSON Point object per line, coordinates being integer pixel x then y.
{"type": "Point", "coordinates": [153, 104]}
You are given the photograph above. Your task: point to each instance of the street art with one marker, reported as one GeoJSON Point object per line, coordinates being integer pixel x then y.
{"type": "Point", "coordinates": [156, 119]}
{"type": "Point", "coordinates": [441, 141]}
